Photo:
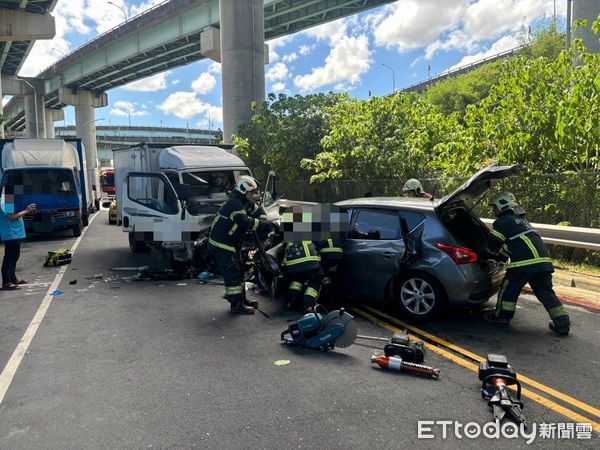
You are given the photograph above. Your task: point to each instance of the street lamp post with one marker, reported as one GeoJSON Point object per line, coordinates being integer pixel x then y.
{"type": "Point", "coordinates": [129, 113]}
{"type": "Point", "coordinates": [124, 12]}
{"type": "Point", "coordinates": [393, 76]}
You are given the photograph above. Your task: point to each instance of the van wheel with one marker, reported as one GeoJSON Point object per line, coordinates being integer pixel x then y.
{"type": "Point", "coordinates": [137, 246]}
{"type": "Point", "coordinates": [85, 221]}
{"type": "Point", "coordinates": [418, 296]}
{"type": "Point", "coordinates": [76, 230]}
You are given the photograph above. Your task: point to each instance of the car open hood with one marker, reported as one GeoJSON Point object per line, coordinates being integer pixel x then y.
{"type": "Point", "coordinates": [479, 183]}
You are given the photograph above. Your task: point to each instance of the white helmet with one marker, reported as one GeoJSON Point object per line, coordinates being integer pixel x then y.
{"type": "Point", "coordinates": [245, 184]}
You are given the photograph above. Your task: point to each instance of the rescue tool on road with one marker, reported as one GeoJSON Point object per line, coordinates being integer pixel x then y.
{"type": "Point", "coordinates": [395, 363]}
{"type": "Point", "coordinates": [323, 332]}
{"type": "Point", "coordinates": [496, 376]}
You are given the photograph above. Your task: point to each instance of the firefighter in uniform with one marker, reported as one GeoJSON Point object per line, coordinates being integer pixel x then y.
{"type": "Point", "coordinates": [331, 253]}
{"type": "Point", "coordinates": [226, 236]}
{"type": "Point", "coordinates": [414, 188]}
{"type": "Point", "coordinates": [530, 262]}
{"type": "Point", "coordinates": [303, 265]}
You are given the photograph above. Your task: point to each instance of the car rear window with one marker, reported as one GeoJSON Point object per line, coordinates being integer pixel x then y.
{"type": "Point", "coordinates": [413, 219]}
{"type": "Point", "coordinates": [375, 225]}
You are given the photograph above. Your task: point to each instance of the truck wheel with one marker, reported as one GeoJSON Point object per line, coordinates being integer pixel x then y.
{"type": "Point", "coordinates": [85, 221]}
{"type": "Point", "coordinates": [76, 230]}
{"type": "Point", "coordinates": [137, 246]}
{"type": "Point", "coordinates": [418, 296]}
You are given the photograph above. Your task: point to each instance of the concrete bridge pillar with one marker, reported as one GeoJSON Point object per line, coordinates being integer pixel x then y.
{"type": "Point", "coordinates": [85, 124]}
{"type": "Point", "coordinates": [35, 122]}
{"type": "Point", "coordinates": [1, 112]}
{"type": "Point", "coordinates": [589, 10]}
{"type": "Point", "coordinates": [242, 61]}
{"type": "Point", "coordinates": [53, 115]}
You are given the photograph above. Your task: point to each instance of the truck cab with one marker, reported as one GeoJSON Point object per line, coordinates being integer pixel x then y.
{"type": "Point", "coordinates": [167, 197]}
{"type": "Point", "coordinates": [52, 174]}
{"type": "Point", "coordinates": [107, 186]}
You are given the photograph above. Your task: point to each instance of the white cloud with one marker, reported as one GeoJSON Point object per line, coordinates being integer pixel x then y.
{"type": "Point", "coordinates": [348, 59]}
{"type": "Point", "coordinates": [186, 105]}
{"type": "Point", "coordinates": [215, 68]}
{"type": "Point", "coordinates": [305, 49]}
{"type": "Point", "coordinates": [487, 19]}
{"type": "Point", "coordinates": [277, 72]}
{"type": "Point", "coordinates": [213, 116]}
{"type": "Point", "coordinates": [275, 44]}
{"type": "Point", "coordinates": [135, 10]}
{"type": "Point", "coordinates": [278, 87]}
{"type": "Point", "coordinates": [330, 31]}
{"type": "Point", "coordinates": [457, 40]}
{"type": "Point", "coordinates": [501, 45]}
{"type": "Point", "coordinates": [175, 82]}
{"type": "Point", "coordinates": [128, 109]}
{"type": "Point", "coordinates": [204, 84]}
{"type": "Point", "coordinates": [154, 83]}
{"type": "Point", "coordinates": [291, 57]}
{"type": "Point", "coordinates": [411, 24]}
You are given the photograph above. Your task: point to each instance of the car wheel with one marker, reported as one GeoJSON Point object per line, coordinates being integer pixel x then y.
{"type": "Point", "coordinates": [419, 296]}
{"type": "Point", "coordinates": [112, 222]}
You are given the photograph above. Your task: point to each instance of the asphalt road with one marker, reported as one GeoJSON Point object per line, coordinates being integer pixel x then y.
{"type": "Point", "coordinates": [131, 364]}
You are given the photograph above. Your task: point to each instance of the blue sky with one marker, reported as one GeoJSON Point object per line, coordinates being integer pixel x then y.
{"type": "Point", "coordinates": [413, 38]}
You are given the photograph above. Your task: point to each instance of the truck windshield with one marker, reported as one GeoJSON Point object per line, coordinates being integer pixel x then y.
{"type": "Point", "coordinates": [209, 183]}
{"type": "Point", "coordinates": [44, 181]}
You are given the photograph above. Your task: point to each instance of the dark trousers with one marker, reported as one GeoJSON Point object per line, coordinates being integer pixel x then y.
{"type": "Point", "coordinates": [541, 284]}
{"type": "Point", "coordinates": [305, 284]}
{"type": "Point", "coordinates": [230, 267]}
{"type": "Point", "coordinates": [12, 251]}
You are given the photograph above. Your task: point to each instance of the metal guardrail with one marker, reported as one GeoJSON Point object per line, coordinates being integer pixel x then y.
{"type": "Point", "coordinates": [460, 70]}
{"type": "Point", "coordinates": [577, 237]}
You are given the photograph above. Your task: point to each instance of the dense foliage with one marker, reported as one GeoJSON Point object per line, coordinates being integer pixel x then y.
{"type": "Point", "coordinates": [540, 109]}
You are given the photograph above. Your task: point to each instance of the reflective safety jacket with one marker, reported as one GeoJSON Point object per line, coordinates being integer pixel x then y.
{"type": "Point", "coordinates": [330, 250]}
{"type": "Point", "coordinates": [232, 222]}
{"type": "Point", "coordinates": [513, 236]}
{"type": "Point", "coordinates": [300, 253]}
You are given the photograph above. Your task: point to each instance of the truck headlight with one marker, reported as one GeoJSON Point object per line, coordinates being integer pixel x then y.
{"type": "Point", "coordinates": [70, 213]}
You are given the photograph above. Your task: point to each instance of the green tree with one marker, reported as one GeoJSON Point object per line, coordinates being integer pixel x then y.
{"type": "Point", "coordinates": [287, 130]}
{"type": "Point", "coordinates": [384, 137]}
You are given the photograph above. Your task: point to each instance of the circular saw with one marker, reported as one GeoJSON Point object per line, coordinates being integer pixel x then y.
{"type": "Point", "coordinates": [313, 330]}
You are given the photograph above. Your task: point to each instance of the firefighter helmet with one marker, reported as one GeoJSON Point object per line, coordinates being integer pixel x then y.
{"type": "Point", "coordinates": [504, 201]}
{"type": "Point", "coordinates": [245, 184]}
{"type": "Point", "coordinates": [413, 185]}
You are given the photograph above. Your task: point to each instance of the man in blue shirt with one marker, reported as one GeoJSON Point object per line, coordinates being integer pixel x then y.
{"type": "Point", "coordinates": [12, 232]}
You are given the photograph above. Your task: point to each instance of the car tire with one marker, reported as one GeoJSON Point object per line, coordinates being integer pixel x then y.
{"type": "Point", "coordinates": [418, 296]}
{"type": "Point", "coordinates": [112, 222]}
{"type": "Point", "coordinates": [137, 246]}
{"type": "Point", "coordinates": [85, 221]}
{"type": "Point", "coordinates": [76, 230]}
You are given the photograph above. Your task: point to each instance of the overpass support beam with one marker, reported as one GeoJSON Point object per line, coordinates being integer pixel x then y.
{"type": "Point", "coordinates": [589, 10]}
{"type": "Point", "coordinates": [1, 111]}
{"type": "Point", "coordinates": [242, 61]}
{"type": "Point", "coordinates": [85, 124]}
{"type": "Point", "coordinates": [17, 25]}
{"type": "Point", "coordinates": [53, 115]}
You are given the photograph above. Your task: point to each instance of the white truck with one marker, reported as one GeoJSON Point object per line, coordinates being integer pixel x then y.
{"type": "Point", "coordinates": [167, 197]}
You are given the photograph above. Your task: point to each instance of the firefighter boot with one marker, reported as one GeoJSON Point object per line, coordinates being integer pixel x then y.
{"type": "Point", "coordinates": [240, 308]}
{"type": "Point", "coordinates": [490, 317]}
{"type": "Point", "coordinates": [561, 331]}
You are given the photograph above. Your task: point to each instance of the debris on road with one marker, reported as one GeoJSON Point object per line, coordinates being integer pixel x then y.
{"type": "Point", "coordinates": [131, 269]}
{"type": "Point", "coordinates": [72, 282]}
{"type": "Point", "coordinates": [282, 362]}
{"type": "Point", "coordinates": [98, 276]}
{"type": "Point", "coordinates": [57, 293]}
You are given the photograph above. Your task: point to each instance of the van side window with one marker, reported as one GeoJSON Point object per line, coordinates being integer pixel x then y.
{"type": "Point", "coordinates": [376, 225]}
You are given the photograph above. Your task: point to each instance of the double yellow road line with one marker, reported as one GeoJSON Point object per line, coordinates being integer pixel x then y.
{"type": "Point", "coordinates": [470, 360]}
